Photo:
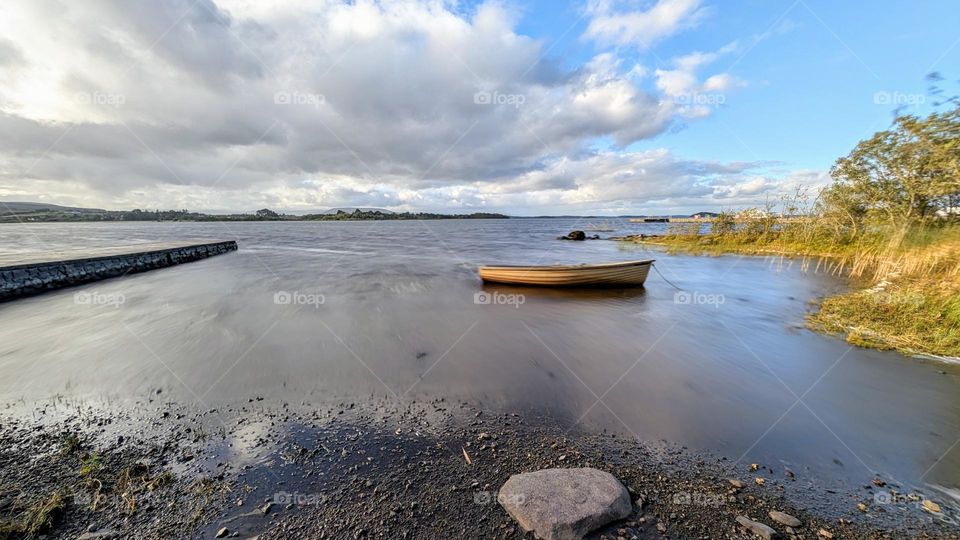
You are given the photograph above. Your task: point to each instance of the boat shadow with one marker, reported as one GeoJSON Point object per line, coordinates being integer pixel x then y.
{"type": "Point", "coordinates": [567, 293]}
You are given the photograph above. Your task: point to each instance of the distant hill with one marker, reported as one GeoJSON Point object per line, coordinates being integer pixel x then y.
{"type": "Point", "coordinates": [351, 210]}
{"type": "Point", "coordinates": [29, 207]}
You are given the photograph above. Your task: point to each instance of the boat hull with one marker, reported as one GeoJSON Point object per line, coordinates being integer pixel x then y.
{"type": "Point", "coordinates": [627, 274]}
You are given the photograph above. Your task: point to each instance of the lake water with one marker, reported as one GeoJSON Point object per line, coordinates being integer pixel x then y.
{"type": "Point", "coordinates": [331, 311]}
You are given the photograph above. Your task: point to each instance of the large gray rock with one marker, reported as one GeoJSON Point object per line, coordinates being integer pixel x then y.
{"type": "Point", "coordinates": [564, 504]}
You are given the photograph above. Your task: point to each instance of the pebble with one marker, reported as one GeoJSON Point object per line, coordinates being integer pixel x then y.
{"type": "Point", "coordinates": [785, 519]}
{"type": "Point", "coordinates": [763, 531]}
{"type": "Point", "coordinates": [222, 532]}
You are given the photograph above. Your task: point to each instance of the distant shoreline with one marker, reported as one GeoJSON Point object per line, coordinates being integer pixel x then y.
{"type": "Point", "coordinates": [186, 216]}
{"type": "Point", "coordinates": [30, 212]}
{"type": "Point", "coordinates": [14, 218]}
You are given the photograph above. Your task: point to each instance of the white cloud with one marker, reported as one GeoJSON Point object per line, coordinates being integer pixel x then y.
{"type": "Point", "coordinates": [240, 104]}
{"type": "Point", "coordinates": [641, 28]}
{"type": "Point", "coordinates": [694, 98]}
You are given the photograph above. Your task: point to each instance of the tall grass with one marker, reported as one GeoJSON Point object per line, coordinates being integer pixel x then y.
{"type": "Point", "coordinates": [875, 254]}
{"type": "Point", "coordinates": [909, 295]}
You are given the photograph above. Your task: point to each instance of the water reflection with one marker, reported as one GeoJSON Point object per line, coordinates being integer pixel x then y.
{"type": "Point", "coordinates": [400, 319]}
{"type": "Point", "coordinates": [596, 294]}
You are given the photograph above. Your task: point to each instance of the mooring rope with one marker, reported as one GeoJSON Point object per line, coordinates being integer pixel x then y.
{"type": "Point", "coordinates": [664, 277]}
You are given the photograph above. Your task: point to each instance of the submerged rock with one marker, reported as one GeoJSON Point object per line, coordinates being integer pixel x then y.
{"type": "Point", "coordinates": [564, 504]}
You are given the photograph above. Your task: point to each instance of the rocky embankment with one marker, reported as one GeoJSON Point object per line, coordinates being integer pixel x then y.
{"type": "Point", "coordinates": [21, 280]}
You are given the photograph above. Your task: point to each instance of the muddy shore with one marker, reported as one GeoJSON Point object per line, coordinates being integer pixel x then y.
{"type": "Point", "coordinates": [379, 470]}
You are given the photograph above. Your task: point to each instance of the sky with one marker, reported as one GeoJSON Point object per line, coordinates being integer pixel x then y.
{"type": "Point", "coordinates": [598, 107]}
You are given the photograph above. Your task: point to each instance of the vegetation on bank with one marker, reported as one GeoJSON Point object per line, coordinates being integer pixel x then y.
{"type": "Point", "coordinates": [908, 292]}
{"type": "Point", "coordinates": [890, 221]}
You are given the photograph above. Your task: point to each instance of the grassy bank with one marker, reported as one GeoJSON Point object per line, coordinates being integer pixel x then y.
{"type": "Point", "coordinates": [906, 282]}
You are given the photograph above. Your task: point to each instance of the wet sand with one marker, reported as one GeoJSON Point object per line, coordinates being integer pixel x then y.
{"type": "Point", "coordinates": [375, 470]}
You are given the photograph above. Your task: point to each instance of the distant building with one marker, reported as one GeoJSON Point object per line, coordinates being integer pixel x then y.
{"type": "Point", "coordinates": [704, 215]}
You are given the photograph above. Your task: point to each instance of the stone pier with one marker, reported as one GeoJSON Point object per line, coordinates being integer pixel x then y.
{"type": "Point", "coordinates": [29, 277]}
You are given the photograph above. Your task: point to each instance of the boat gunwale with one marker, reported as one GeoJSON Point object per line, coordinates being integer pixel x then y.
{"type": "Point", "coordinates": [567, 267]}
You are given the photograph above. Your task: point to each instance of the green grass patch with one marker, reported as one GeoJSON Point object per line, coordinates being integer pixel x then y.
{"type": "Point", "coordinates": [910, 300]}
{"type": "Point", "coordinates": [921, 316]}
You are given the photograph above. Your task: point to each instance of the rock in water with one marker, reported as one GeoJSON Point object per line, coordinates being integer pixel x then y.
{"type": "Point", "coordinates": [564, 504]}
{"type": "Point", "coordinates": [763, 531]}
{"type": "Point", "coordinates": [576, 235]}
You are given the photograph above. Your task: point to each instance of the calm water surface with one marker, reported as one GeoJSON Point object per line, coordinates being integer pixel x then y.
{"type": "Point", "coordinates": [309, 312]}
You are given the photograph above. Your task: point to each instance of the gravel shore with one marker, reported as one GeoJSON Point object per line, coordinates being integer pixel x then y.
{"type": "Point", "coordinates": [381, 470]}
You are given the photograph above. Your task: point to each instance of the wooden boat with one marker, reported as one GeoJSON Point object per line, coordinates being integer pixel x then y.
{"type": "Point", "coordinates": [619, 274]}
